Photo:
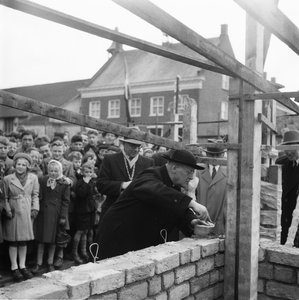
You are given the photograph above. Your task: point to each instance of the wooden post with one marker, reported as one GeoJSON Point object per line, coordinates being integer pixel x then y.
{"type": "Point", "coordinates": [190, 121]}
{"type": "Point", "coordinates": [250, 159]}
{"type": "Point", "coordinates": [233, 188]}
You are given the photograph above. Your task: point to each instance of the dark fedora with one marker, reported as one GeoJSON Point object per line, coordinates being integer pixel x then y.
{"type": "Point", "coordinates": [290, 137]}
{"type": "Point", "coordinates": [213, 150]}
{"type": "Point", "coordinates": [130, 141]}
{"type": "Point", "coordinates": [184, 157]}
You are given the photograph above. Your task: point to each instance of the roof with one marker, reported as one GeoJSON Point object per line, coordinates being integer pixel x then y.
{"type": "Point", "coordinates": [53, 93]}
{"type": "Point", "coordinates": [143, 66]}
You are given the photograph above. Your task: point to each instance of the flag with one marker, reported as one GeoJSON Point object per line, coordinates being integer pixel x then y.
{"type": "Point", "coordinates": [127, 92]}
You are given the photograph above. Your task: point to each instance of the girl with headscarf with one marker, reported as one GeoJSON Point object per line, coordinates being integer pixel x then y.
{"type": "Point", "coordinates": [54, 201]}
{"type": "Point", "coordinates": [21, 190]}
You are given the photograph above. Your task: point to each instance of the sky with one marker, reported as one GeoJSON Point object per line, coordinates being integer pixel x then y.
{"type": "Point", "coordinates": [36, 51]}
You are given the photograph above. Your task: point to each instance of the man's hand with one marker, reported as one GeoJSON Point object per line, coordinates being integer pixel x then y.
{"type": "Point", "coordinates": [200, 211]}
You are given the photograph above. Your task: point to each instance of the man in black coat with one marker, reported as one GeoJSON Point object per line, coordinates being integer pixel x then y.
{"type": "Point", "coordinates": [151, 206]}
{"type": "Point", "coordinates": [290, 183]}
{"type": "Point", "coordinates": [118, 170]}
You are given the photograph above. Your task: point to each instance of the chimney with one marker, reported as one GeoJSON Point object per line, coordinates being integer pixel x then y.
{"type": "Point", "coordinates": [224, 29]}
{"type": "Point", "coordinates": [273, 79]}
{"type": "Point", "coordinates": [115, 47]}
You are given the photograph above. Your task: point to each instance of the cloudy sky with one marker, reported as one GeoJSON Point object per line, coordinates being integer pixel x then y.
{"type": "Point", "coordinates": [35, 51]}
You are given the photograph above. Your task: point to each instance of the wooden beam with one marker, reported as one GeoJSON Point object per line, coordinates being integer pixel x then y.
{"type": "Point", "coordinates": [279, 97]}
{"type": "Point", "coordinates": [271, 17]}
{"type": "Point", "coordinates": [47, 110]}
{"type": "Point", "coordinates": [211, 161]}
{"type": "Point", "coordinates": [218, 146]}
{"type": "Point", "coordinates": [269, 96]}
{"type": "Point", "coordinates": [266, 121]}
{"type": "Point", "coordinates": [100, 31]}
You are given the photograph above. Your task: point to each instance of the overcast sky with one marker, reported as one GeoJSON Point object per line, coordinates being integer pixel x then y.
{"type": "Point", "coordinates": [35, 51]}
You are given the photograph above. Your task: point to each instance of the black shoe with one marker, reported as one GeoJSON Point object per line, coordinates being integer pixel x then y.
{"type": "Point", "coordinates": [26, 274]}
{"type": "Point", "coordinates": [36, 269]}
{"type": "Point", "coordinates": [16, 275]}
{"type": "Point", "coordinates": [51, 268]}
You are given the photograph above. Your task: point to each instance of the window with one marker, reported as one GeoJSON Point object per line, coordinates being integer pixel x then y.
{"type": "Point", "coordinates": [157, 106]}
{"type": "Point", "coordinates": [114, 109]}
{"type": "Point", "coordinates": [224, 110]}
{"type": "Point", "coordinates": [135, 107]}
{"type": "Point", "coordinates": [225, 82]}
{"type": "Point", "coordinates": [95, 109]}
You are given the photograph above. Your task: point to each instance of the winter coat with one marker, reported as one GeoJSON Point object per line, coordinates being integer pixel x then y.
{"type": "Point", "coordinates": [20, 200]}
{"type": "Point", "coordinates": [212, 194]}
{"type": "Point", "coordinates": [113, 173]}
{"type": "Point", "coordinates": [148, 207]}
{"type": "Point", "coordinates": [53, 206]}
{"type": "Point", "coordinates": [85, 197]}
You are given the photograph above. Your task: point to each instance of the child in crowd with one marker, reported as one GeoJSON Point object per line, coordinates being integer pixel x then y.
{"type": "Point", "coordinates": [54, 201]}
{"type": "Point", "coordinates": [2, 172]}
{"type": "Point", "coordinates": [75, 158]}
{"type": "Point", "coordinates": [35, 167]}
{"type": "Point", "coordinates": [76, 145]}
{"type": "Point", "coordinates": [12, 148]}
{"type": "Point", "coordinates": [92, 141]}
{"type": "Point", "coordinates": [21, 190]}
{"type": "Point", "coordinates": [85, 212]}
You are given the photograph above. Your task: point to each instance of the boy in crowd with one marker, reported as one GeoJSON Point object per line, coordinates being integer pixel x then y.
{"type": "Point", "coordinates": [76, 145]}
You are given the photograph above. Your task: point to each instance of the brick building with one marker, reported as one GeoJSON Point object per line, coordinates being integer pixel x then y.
{"type": "Point", "coordinates": [152, 82]}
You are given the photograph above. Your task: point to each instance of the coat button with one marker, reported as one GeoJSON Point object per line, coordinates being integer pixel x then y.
{"type": "Point", "coordinates": [175, 200]}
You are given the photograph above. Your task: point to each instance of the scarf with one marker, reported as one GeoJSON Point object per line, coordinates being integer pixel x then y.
{"type": "Point", "coordinates": [22, 178]}
{"type": "Point", "coordinates": [132, 161]}
{"type": "Point", "coordinates": [52, 182]}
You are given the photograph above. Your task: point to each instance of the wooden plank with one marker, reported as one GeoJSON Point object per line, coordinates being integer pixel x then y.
{"type": "Point", "coordinates": [279, 97]}
{"type": "Point", "coordinates": [266, 121]}
{"type": "Point", "coordinates": [218, 146]}
{"type": "Point", "coordinates": [100, 31]}
{"type": "Point", "coordinates": [271, 17]}
{"type": "Point", "coordinates": [190, 121]}
{"type": "Point", "coordinates": [269, 96]}
{"type": "Point", "coordinates": [233, 187]}
{"type": "Point", "coordinates": [250, 160]}
{"type": "Point", "coordinates": [47, 110]}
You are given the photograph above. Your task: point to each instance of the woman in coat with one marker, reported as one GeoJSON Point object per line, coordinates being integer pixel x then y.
{"type": "Point", "coordinates": [21, 190]}
{"type": "Point", "coordinates": [54, 201]}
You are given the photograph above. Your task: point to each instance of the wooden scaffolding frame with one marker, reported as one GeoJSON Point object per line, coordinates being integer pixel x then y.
{"type": "Point", "coordinates": [245, 114]}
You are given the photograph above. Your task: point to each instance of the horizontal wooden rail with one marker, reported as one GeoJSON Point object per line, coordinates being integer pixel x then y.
{"type": "Point", "coordinates": [287, 147]}
{"type": "Point", "coordinates": [218, 145]}
{"type": "Point", "coordinates": [269, 96]}
{"type": "Point", "coordinates": [259, 96]}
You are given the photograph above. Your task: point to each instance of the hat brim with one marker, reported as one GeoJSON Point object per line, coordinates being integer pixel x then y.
{"type": "Point", "coordinates": [289, 143]}
{"type": "Point", "coordinates": [197, 167]}
{"type": "Point", "coordinates": [130, 141]}
{"type": "Point", "coordinates": [213, 152]}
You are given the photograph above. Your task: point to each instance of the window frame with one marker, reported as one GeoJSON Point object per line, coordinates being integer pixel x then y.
{"type": "Point", "coordinates": [136, 107]}
{"type": "Point", "coordinates": [90, 111]}
{"type": "Point", "coordinates": [110, 116]}
{"type": "Point", "coordinates": [160, 114]}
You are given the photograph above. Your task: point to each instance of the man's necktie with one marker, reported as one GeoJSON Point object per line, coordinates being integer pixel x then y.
{"type": "Point", "coordinates": [294, 164]}
{"type": "Point", "coordinates": [214, 172]}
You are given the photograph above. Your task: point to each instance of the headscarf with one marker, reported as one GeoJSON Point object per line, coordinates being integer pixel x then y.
{"type": "Point", "coordinates": [52, 182]}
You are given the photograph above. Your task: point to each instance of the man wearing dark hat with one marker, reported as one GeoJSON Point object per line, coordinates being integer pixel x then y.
{"type": "Point", "coordinates": [118, 170]}
{"type": "Point", "coordinates": [76, 145]}
{"type": "Point", "coordinates": [290, 183]}
{"type": "Point", "coordinates": [151, 207]}
{"type": "Point", "coordinates": [211, 188]}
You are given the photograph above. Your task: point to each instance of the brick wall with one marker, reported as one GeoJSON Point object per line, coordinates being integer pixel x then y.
{"type": "Point", "coordinates": [189, 269]}
{"type": "Point", "coordinates": [278, 272]}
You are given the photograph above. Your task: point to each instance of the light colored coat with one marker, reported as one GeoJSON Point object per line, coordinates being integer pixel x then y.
{"type": "Point", "coordinates": [20, 200]}
{"type": "Point", "coordinates": [212, 194]}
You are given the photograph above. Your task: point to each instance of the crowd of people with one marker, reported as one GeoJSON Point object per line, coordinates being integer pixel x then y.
{"type": "Point", "coordinates": [55, 192]}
